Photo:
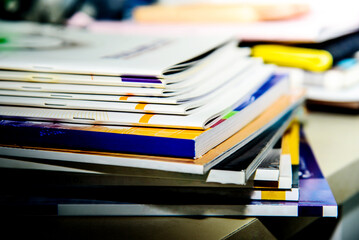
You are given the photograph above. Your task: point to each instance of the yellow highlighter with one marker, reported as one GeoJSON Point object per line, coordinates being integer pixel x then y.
{"type": "Point", "coordinates": [305, 58]}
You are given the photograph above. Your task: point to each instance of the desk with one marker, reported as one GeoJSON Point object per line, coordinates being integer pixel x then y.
{"type": "Point", "coordinates": [335, 142]}
{"type": "Point", "coordinates": [334, 139]}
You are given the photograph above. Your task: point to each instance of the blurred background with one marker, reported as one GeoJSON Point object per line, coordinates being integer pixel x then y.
{"type": "Point", "coordinates": [328, 25]}
{"type": "Point", "coordinates": [58, 11]}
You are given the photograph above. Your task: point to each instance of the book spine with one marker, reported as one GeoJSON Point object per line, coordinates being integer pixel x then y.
{"type": "Point", "coordinates": [27, 134]}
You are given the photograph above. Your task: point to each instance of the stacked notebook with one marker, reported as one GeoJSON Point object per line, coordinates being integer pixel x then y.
{"type": "Point", "coordinates": [132, 120]}
{"type": "Point", "coordinates": [66, 188]}
{"type": "Point", "coordinates": [328, 69]}
{"type": "Point", "coordinates": [335, 89]}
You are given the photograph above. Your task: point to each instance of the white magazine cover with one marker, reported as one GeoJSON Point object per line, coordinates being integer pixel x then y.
{"type": "Point", "coordinates": [65, 50]}
{"type": "Point", "coordinates": [209, 79]}
{"type": "Point", "coordinates": [253, 77]}
{"type": "Point", "coordinates": [202, 118]}
{"type": "Point", "coordinates": [44, 77]}
{"type": "Point", "coordinates": [217, 60]}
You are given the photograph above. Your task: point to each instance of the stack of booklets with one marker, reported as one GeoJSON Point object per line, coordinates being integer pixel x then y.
{"type": "Point", "coordinates": [336, 89]}
{"type": "Point", "coordinates": [328, 70]}
{"type": "Point", "coordinates": [289, 182]}
{"type": "Point", "coordinates": [330, 77]}
{"type": "Point", "coordinates": [108, 124]}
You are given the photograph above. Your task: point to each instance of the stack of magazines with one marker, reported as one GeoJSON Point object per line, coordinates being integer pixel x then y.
{"type": "Point", "coordinates": [119, 124]}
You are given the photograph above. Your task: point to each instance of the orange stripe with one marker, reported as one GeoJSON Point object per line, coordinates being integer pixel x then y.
{"type": "Point", "coordinates": [91, 77]}
{"type": "Point", "coordinates": [146, 118]}
{"type": "Point", "coordinates": [123, 98]}
{"type": "Point", "coordinates": [140, 106]}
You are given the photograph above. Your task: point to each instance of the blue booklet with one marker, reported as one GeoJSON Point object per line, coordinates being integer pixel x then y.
{"type": "Point", "coordinates": [140, 140]}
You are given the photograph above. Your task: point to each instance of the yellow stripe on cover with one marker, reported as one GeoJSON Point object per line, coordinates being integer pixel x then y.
{"type": "Point", "coordinates": [273, 195]}
{"type": "Point", "coordinates": [290, 142]}
{"type": "Point", "coordinates": [145, 118]}
{"type": "Point", "coordinates": [140, 106]}
{"type": "Point", "coordinates": [285, 142]}
{"type": "Point", "coordinates": [123, 98]}
{"type": "Point", "coordinates": [294, 143]}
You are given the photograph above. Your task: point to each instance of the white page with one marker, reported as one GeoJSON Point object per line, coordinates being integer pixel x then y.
{"type": "Point", "coordinates": [209, 79]}
{"type": "Point", "coordinates": [198, 120]}
{"type": "Point", "coordinates": [184, 104]}
{"type": "Point", "coordinates": [96, 97]}
{"type": "Point", "coordinates": [77, 79]}
{"type": "Point", "coordinates": [80, 88]}
{"type": "Point", "coordinates": [223, 54]}
{"type": "Point", "coordinates": [93, 105]}
{"type": "Point", "coordinates": [243, 81]}
{"type": "Point", "coordinates": [218, 62]}
{"type": "Point", "coordinates": [84, 52]}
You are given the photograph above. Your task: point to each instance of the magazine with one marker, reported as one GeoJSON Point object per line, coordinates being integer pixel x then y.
{"type": "Point", "coordinates": [68, 50]}
{"type": "Point", "coordinates": [200, 163]}
{"type": "Point", "coordinates": [246, 108]}
{"type": "Point", "coordinates": [154, 141]}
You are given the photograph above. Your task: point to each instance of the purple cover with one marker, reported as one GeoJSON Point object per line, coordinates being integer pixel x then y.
{"type": "Point", "coordinates": [314, 188]}
{"type": "Point", "coordinates": [314, 191]}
